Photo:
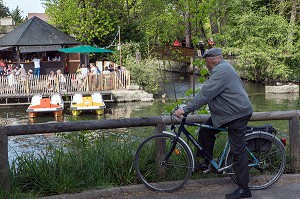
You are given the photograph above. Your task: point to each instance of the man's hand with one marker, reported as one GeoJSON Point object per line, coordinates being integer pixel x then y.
{"type": "Point", "coordinates": [178, 112]}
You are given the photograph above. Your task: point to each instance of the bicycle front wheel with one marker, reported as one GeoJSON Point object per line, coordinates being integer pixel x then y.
{"type": "Point", "coordinates": [270, 153]}
{"type": "Point", "coordinates": [159, 173]}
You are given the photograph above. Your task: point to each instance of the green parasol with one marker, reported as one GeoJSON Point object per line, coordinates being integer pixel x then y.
{"type": "Point", "coordinates": [85, 49]}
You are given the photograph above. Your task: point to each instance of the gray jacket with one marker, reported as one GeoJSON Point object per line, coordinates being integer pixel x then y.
{"type": "Point", "coordinates": [225, 95]}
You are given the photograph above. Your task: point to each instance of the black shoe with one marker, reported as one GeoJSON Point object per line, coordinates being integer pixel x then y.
{"type": "Point", "coordinates": [239, 193]}
{"type": "Point", "coordinates": [202, 166]}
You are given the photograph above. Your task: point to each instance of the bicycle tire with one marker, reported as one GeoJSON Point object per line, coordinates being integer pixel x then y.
{"type": "Point", "coordinates": [270, 153]}
{"type": "Point", "coordinates": [155, 175]}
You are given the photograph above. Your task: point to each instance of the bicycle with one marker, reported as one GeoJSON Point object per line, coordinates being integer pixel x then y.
{"type": "Point", "coordinates": [165, 162]}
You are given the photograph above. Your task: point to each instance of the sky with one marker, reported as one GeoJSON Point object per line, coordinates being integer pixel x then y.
{"type": "Point", "coordinates": [26, 6]}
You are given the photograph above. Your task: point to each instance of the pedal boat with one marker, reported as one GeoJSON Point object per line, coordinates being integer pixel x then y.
{"type": "Point", "coordinates": [40, 104]}
{"type": "Point", "coordinates": [82, 103]}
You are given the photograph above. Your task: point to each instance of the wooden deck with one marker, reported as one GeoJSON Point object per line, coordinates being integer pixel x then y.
{"type": "Point", "coordinates": [176, 53]}
{"type": "Point", "coordinates": [18, 90]}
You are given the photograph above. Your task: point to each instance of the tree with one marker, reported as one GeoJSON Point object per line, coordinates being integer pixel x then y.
{"type": "Point", "coordinates": [16, 15]}
{"type": "Point", "coordinates": [234, 25]}
{"type": "Point", "coordinates": [292, 24]}
{"type": "Point", "coordinates": [259, 41]}
{"type": "Point", "coordinates": [87, 20]}
{"type": "Point", "coordinates": [160, 22]}
{"type": "Point", "coordinates": [4, 11]}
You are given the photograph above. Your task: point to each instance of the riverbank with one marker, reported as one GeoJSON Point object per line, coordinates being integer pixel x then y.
{"type": "Point", "coordinates": [134, 93]}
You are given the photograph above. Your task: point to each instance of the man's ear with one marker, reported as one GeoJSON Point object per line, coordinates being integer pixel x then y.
{"type": "Point", "coordinates": [208, 60]}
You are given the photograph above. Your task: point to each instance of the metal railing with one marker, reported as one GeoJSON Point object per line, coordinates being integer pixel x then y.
{"type": "Point", "coordinates": [159, 122]}
{"type": "Point", "coordinates": [45, 84]}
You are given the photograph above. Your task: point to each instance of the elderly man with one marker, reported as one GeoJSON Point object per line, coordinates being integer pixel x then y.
{"type": "Point", "coordinates": [230, 107]}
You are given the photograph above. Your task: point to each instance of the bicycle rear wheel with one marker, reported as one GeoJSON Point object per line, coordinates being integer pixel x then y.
{"type": "Point", "coordinates": [270, 154]}
{"type": "Point", "coordinates": [157, 173]}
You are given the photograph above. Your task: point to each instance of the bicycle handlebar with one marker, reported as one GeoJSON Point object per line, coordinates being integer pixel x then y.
{"type": "Point", "coordinates": [180, 118]}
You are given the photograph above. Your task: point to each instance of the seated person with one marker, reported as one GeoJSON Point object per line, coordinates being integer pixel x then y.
{"type": "Point", "coordinates": [51, 81]}
{"type": "Point", "coordinates": [84, 71]}
{"type": "Point", "coordinates": [106, 70]}
{"type": "Point", "coordinates": [111, 68]}
{"type": "Point", "coordinates": [21, 71]}
{"type": "Point", "coordinates": [61, 79]}
{"type": "Point", "coordinates": [2, 63]}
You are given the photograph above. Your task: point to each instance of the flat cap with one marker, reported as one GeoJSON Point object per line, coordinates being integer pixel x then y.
{"type": "Point", "coordinates": [213, 52]}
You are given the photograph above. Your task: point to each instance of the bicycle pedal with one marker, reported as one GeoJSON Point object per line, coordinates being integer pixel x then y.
{"type": "Point", "coordinates": [206, 171]}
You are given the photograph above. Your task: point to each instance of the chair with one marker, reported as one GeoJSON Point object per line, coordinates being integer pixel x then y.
{"type": "Point", "coordinates": [36, 100]}
{"type": "Point", "coordinates": [77, 98]}
{"type": "Point", "coordinates": [56, 99]}
{"type": "Point", "coordinates": [97, 97]}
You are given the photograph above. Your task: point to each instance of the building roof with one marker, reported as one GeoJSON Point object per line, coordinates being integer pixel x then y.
{"type": "Point", "coordinates": [42, 16]}
{"type": "Point", "coordinates": [30, 49]}
{"type": "Point", "coordinates": [36, 32]}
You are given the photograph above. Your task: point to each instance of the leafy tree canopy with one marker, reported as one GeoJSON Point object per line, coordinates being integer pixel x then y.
{"type": "Point", "coordinates": [259, 33]}
{"type": "Point", "coordinates": [4, 10]}
{"type": "Point", "coordinates": [17, 16]}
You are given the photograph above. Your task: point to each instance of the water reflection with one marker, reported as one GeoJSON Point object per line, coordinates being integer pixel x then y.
{"type": "Point", "coordinates": [178, 84]}
{"type": "Point", "coordinates": [38, 143]}
{"type": "Point", "coordinates": [43, 118]}
{"type": "Point", "coordinates": [282, 97]}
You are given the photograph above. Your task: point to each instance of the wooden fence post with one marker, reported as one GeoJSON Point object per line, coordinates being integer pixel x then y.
{"type": "Point", "coordinates": [4, 166]}
{"type": "Point", "coordinates": [294, 142]}
{"type": "Point", "coordinates": [160, 127]}
{"type": "Point", "coordinates": [160, 148]}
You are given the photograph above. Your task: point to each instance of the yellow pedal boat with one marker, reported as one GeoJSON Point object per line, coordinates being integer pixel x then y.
{"type": "Point", "coordinates": [82, 103]}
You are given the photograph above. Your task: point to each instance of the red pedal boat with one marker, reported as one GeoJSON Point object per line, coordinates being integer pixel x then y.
{"type": "Point", "coordinates": [40, 104]}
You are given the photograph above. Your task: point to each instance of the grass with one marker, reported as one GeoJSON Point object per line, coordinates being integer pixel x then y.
{"type": "Point", "coordinates": [86, 161]}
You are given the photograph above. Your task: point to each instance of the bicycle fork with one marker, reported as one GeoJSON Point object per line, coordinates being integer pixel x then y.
{"type": "Point", "coordinates": [176, 138]}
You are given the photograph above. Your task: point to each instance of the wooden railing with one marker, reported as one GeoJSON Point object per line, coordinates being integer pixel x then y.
{"type": "Point", "coordinates": [71, 83]}
{"type": "Point", "coordinates": [175, 53]}
{"type": "Point", "coordinates": [159, 122]}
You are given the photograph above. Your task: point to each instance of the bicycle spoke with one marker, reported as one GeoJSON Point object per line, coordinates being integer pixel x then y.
{"type": "Point", "coordinates": [270, 154]}
{"type": "Point", "coordinates": [160, 174]}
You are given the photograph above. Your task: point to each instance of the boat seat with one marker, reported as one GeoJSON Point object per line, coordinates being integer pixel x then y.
{"type": "Point", "coordinates": [55, 99]}
{"type": "Point", "coordinates": [97, 97]}
{"type": "Point", "coordinates": [77, 98]}
{"type": "Point", "coordinates": [36, 100]}
{"type": "Point", "coordinates": [45, 103]}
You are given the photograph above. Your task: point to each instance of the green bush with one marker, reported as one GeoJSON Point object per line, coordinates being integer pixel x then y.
{"type": "Point", "coordinates": [293, 63]}
{"type": "Point", "coordinates": [259, 42]}
{"type": "Point", "coordinates": [144, 73]}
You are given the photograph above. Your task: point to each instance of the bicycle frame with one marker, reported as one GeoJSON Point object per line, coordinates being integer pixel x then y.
{"type": "Point", "coordinates": [190, 137]}
{"type": "Point", "coordinates": [172, 159]}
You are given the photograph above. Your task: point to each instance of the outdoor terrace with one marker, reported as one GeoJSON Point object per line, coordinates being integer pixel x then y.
{"type": "Point", "coordinates": [67, 84]}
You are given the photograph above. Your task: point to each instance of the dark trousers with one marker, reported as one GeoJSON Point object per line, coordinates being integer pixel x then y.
{"type": "Point", "coordinates": [236, 135]}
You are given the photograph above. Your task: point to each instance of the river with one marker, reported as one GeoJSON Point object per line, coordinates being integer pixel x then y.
{"type": "Point", "coordinates": [182, 82]}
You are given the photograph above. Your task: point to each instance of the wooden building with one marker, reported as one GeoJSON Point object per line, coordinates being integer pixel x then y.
{"type": "Point", "coordinates": [38, 38]}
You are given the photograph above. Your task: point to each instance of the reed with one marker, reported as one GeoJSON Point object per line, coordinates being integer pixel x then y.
{"type": "Point", "coordinates": [86, 161]}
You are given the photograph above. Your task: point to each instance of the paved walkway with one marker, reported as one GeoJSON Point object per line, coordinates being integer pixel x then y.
{"type": "Point", "coordinates": [288, 187]}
